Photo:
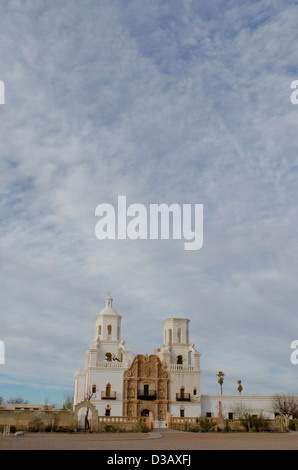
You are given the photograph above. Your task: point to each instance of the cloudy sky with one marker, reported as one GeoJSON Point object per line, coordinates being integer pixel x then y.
{"type": "Point", "coordinates": [174, 101]}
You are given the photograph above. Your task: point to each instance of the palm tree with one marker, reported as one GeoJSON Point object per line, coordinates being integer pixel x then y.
{"type": "Point", "coordinates": [221, 375]}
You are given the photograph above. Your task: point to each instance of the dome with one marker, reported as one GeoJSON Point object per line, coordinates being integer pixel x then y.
{"type": "Point", "coordinates": [108, 309]}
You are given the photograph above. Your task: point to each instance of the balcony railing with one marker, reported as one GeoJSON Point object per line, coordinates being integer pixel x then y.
{"type": "Point", "coordinates": [184, 367]}
{"type": "Point", "coordinates": [108, 395]}
{"type": "Point", "coordinates": [150, 395]}
{"type": "Point", "coordinates": [110, 364]}
{"type": "Point", "coordinates": [183, 396]}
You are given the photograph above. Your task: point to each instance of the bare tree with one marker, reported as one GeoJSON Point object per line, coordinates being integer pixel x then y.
{"type": "Point", "coordinates": [68, 402]}
{"type": "Point", "coordinates": [240, 410]}
{"type": "Point", "coordinates": [47, 405]}
{"type": "Point", "coordinates": [286, 406]}
{"type": "Point", "coordinates": [88, 397]}
{"type": "Point", "coordinates": [17, 400]}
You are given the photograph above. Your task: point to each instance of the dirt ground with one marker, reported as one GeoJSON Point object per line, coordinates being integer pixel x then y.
{"type": "Point", "coordinates": [158, 440]}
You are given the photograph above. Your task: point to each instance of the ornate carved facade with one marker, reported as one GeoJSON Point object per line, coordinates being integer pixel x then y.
{"type": "Point", "coordinates": [146, 388]}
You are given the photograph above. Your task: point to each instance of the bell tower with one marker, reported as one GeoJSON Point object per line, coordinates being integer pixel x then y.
{"type": "Point", "coordinates": [107, 358]}
{"type": "Point", "coordinates": [182, 361]}
{"type": "Point", "coordinates": [176, 348]}
{"type": "Point", "coordinates": [107, 345]}
{"type": "Point", "coordinates": [108, 323]}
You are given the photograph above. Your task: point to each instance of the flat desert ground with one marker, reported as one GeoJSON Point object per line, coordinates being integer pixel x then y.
{"type": "Point", "coordinates": [159, 440]}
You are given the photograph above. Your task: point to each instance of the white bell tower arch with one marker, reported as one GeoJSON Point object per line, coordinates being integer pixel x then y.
{"type": "Point", "coordinates": [108, 323]}
{"type": "Point", "coordinates": [182, 360]}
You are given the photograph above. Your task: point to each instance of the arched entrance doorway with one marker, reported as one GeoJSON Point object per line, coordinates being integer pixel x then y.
{"type": "Point", "coordinates": [83, 417]}
{"type": "Point", "coordinates": [145, 412]}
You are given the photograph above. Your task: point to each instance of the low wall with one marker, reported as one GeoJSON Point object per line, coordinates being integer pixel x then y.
{"type": "Point", "coordinates": [182, 424]}
{"type": "Point", "coordinates": [63, 420]}
{"type": "Point", "coordinates": [122, 423]}
{"type": "Point", "coordinates": [187, 424]}
{"type": "Point", "coordinates": [40, 420]}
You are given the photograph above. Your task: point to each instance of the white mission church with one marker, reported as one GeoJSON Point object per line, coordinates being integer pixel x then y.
{"type": "Point", "coordinates": [166, 383]}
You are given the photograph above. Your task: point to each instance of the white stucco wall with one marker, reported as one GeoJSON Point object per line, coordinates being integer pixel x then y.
{"type": "Point", "coordinates": [252, 404]}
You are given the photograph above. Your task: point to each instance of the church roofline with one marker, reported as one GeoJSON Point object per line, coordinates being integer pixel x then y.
{"type": "Point", "coordinates": [176, 319]}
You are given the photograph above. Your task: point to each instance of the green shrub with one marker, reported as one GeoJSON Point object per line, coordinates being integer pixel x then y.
{"type": "Point", "coordinates": [227, 427]}
{"type": "Point", "coordinates": [196, 428]}
{"type": "Point", "coordinates": [253, 429]}
{"type": "Point", "coordinates": [109, 428]}
{"type": "Point", "coordinates": [204, 424]}
{"type": "Point", "coordinates": [293, 425]}
{"type": "Point", "coordinates": [36, 425]}
{"type": "Point", "coordinates": [142, 426]}
{"type": "Point", "coordinates": [254, 423]}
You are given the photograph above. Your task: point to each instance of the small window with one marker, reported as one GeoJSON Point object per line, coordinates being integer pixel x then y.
{"type": "Point", "coordinates": [208, 414]}
{"type": "Point", "coordinates": [109, 357]}
{"type": "Point", "coordinates": [109, 330]}
{"type": "Point", "coordinates": [181, 413]}
{"type": "Point", "coordinates": [107, 412]}
{"type": "Point", "coordinates": [194, 391]}
{"type": "Point", "coordinates": [179, 335]}
{"type": "Point", "coordinates": [108, 390]}
{"type": "Point", "coordinates": [231, 415]}
{"type": "Point", "coordinates": [179, 360]}
{"type": "Point", "coordinates": [93, 388]}
{"type": "Point", "coordinates": [99, 330]}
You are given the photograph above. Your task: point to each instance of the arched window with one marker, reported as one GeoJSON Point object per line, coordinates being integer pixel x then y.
{"type": "Point", "coordinates": [99, 330]}
{"type": "Point", "coordinates": [93, 388]}
{"type": "Point", "coordinates": [170, 336]}
{"type": "Point", "coordinates": [182, 393]}
{"type": "Point", "coordinates": [108, 357]}
{"type": "Point", "coordinates": [179, 335]}
{"type": "Point", "coordinates": [118, 332]}
{"type": "Point", "coordinates": [109, 330]}
{"type": "Point", "coordinates": [108, 390]}
{"type": "Point", "coordinates": [179, 359]}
